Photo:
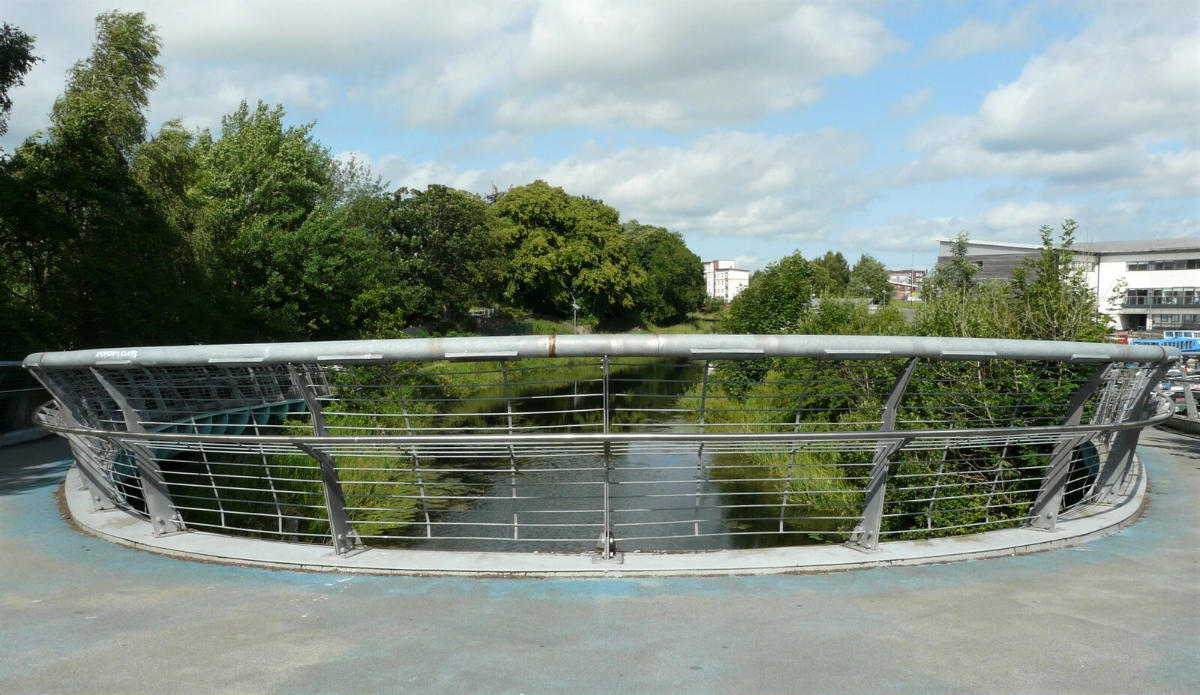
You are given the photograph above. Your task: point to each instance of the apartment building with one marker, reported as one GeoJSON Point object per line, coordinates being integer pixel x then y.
{"type": "Point", "coordinates": [723, 279]}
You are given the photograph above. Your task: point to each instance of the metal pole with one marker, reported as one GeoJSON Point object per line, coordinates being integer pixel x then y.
{"type": "Point", "coordinates": [1049, 499]}
{"type": "Point", "coordinates": [164, 518]}
{"type": "Point", "coordinates": [512, 456]}
{"type": "Point", "coordinates": [607, 541]}
{"type": "Point", "coordinates": [345, 537]}
{"type": "Point", "coordinates": [1120, 455]}
{"type": "Point", "coordinates": [700, 468]}
{"type": "Point", "coordinates": [866, 534]}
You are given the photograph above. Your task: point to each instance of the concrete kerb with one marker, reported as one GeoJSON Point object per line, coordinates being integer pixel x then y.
{"type": "Point", "coordinates": [1089, 522]}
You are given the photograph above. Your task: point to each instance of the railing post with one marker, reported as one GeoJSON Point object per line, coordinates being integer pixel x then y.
{"type": "Point", "coordinates": [512, 454]}
{"type": "Point", "coordinates": [1045, 508]}
{"type": "Point", "coordinates": [345, 538]}
{"type": "Point", "coordinates": [1120, 453]}
{"type": "Point", "coordinates": [102, 495]}
{"type": "Point", "coordinates": [700, 468]}
{"type": "Point", "coordinates": [608, 543]}
{"type": "Point", "coordinates": [164, 518]}
{"type": "Point", "coordinates": [866, 534]}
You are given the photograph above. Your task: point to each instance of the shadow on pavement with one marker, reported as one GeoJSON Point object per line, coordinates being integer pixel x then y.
{"type": "Point", "coordinates": [33, 465]}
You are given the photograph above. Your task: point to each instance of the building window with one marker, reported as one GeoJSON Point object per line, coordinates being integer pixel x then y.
{"type": "Point", "coordinates": [1166, 296]}
{"type": "Point", "coordinates": [1177, 264]}
{"type": "Point", "coordinates": [1176, 321]}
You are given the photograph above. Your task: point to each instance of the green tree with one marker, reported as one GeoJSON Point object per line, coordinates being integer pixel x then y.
{"type": "Point", "coordinates": [561, 248]}
{"type": "Point", "coordinates": [776, 301]}
{"type": "Point", "coordinates": [270, 228]}
{"type": "Point", "coordinates": [16, 59]}
{"type": "Point", "coordinates": [868, 278]}
{"type": "Point", "coordinates": [674, 275]}
{"type": "Point", "coordinates": [88, 259]}
{"type": "Point", "coordinates": [1050, 294]}
{"type": "Point", "coordinates": [442, 256]}
{"type": "Point", "coordinates": [1047, 298]}
{"type": "Point", "coordinates": [116, 80]}
{"type": "Point", "coordinates": [831, 275]}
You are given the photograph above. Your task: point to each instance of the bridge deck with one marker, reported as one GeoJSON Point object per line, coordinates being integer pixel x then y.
{"type": "Point", "coordinates": [1121, 613]}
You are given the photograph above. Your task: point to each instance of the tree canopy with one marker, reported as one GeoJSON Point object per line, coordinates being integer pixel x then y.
{"type": "Point", "coordinates": [674, 275]}
{"type": "Point", "coordinates": [777, 300]}
{"type": "Point", "coordinates": [563, 249]}
{"type": "Point", "coordinates": [16, 59]}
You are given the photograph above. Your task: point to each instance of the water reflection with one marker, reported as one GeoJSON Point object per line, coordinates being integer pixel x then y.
{"type": "Point", "coordinates": [657, 501]}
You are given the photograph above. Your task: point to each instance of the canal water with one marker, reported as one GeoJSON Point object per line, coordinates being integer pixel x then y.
{"type": "Point", "coordinates": [657, 502]}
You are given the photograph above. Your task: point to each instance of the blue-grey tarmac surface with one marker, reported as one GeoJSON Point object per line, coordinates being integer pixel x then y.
{"type": "Point", "coordinates": [1117, 614]}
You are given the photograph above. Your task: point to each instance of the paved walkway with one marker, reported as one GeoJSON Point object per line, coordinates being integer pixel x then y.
{"type": "Point", "coordinates": [1120, 613]}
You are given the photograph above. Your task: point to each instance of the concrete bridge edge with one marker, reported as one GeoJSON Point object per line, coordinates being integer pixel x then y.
{"type": "Point", "coordinates": [1082, 525]}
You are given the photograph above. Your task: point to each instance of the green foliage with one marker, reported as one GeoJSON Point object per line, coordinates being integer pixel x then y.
{"type": "Point", "coordinates": [444, 255]}
{"type": "Point", "coordinates": [674, 275]}
{"type": "Point", "coordinates": [1047, 299]}
{"type": "Point", "coordinates": [845, 316]}
{"type": "Point", "coordinates": [1051, 297]}
{"type": "Point", "coordinates": [831, 275]}
{"type": "Point", "coordinates": [16, 59]}
{"type": "Point", "coordinates": [562, 248]}
{"type": "Point", "coordinates": [870, 279]}
{"type": "Point", "coordinates": [269, 230]}
{"type": "Point", "coordinates": [777, 299]}
{"type": "Point", "coordinates": [85, 257]}
{"type": "Point", "coordinates": [115, 82]}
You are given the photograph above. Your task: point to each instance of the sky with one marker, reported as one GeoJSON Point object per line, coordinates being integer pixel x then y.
{"type": "Point", "coordinates": [754, 129]}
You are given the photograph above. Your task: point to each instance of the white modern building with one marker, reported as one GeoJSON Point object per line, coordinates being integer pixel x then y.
{"type": "Point", "coordinates": [723, 279]}
{"type": "Point", "coordinates": [1147, 285]}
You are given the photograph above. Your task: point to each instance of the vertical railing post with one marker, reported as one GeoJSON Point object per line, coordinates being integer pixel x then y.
{"type": "Point", "coordinates": [1045, 507]}
{"type": "Point", "coordinates": [164, 518]}
{"type": "Point", "coordinates": [866, 534]}
{"type": "Point", "coordinates": [1189, 399]}
{"type": "Point", "coordinates": [345, 538]}
{"type": "Point", "coordinates": [1120, 453]}
{"type": "Point", "coordinates": [700, 468]}
{"type": "Point", "coordinates": [103, 495]}
{"type": "Point", "coordinates": [512, 454]}
{"type": "Point", "coordinates": [607, 541]}
{"type": "Point", "coordinates": [413, 457]}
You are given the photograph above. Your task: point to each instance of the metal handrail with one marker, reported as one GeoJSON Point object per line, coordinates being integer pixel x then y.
{"type": "Point", "coordinates": [695, 440]}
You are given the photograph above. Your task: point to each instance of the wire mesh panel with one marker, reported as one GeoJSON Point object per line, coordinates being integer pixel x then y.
{"type": "Point", "coordinates": [573, 443]}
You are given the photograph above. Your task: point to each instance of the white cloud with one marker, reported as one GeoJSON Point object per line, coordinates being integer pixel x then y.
{"type": "Point", "coordinates": [1020, 218]}
{"type": "Point", "coordinates": [726, 183]}
{"type": "Point", "coordinates": [517, 65]}
{"type": "Point", "coordinates": [680, 66]}
{"type": "Point", "coordinates": [912, 103]}
{"type": "Point", "coordinates": [1088, 113]}
{"type": "Point", "coordinates": [975, 35]}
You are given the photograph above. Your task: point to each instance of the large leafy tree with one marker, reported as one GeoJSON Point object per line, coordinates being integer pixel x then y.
{"type": "Point", "coordinates": [777, 300]}
{"type": "Point", "coordinates": [674, 275]}
{"type": "Point", "coordinates": [270, 228]}
{"type": "Point", "coordinates": [89, 260]}
{"type": "Point", "coordinates": [16, 59]}
{"type": "Point", "coordinates": [868, 278]}
{"type": "Point", "coordinates": [115, 80]}
{"type": "Point", "coordinates": [831, 275]}
{"type": "Point", "coordinates": [562, 248]}
{"type": "Point", "coordinates": [441, 258]}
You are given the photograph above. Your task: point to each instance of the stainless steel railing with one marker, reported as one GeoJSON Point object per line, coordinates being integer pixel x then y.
{"type": "Point", "coordinates": [615, 442]}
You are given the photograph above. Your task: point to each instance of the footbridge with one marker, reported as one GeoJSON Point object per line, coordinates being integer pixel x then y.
{"type": "Point", "coordinates": [606, 454]}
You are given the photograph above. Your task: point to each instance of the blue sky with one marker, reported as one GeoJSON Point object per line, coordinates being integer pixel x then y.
{"type": "Point", "coordinates": [752, 128]}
